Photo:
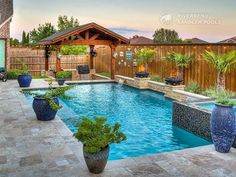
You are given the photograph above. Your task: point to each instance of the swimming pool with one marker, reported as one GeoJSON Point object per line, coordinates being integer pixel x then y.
{"type": "Point", "coordinates": [209, 105]}
{"type": "Point", "coordinates": [145, 117]}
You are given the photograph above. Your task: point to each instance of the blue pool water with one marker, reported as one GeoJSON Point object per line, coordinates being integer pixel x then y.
{"type": "Point", "coordinates": [145, 117]}
{"type": "Point", "coordinates": [209, 106]}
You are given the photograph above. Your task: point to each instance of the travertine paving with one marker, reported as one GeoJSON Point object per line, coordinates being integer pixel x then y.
{"type": "Point", "coordinates": [30, 148]}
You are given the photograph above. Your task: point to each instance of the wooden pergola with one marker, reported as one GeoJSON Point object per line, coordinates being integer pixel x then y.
{"type": "Point", "coordinates": [90, 34]}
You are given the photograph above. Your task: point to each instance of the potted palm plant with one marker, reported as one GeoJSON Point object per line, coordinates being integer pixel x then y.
{"type": "Point", "coordinates": [96, 136]}
{"type": "Point", "coordinates": [181, 61]}
{"type": "Point", "coordinates": [62, 76]}
{"type": "Point", "coordinates": [223, 63]}
{"type": "Point", "coordinates": [223, 120]}
{"type": "Point", "coordinates": [144, 56]}
{"type": "Point", "coordinates": [24, 78]}
{"type": "Point", "coordinates": [46, 104]}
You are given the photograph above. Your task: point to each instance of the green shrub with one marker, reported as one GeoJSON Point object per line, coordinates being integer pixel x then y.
{"type": "Point", "coordinates": [64, 74]}
{"type": "Point", "coordinates": [14, 73]}
{"type": "Point", "coordinates": [193, 87]}
{"type": "Point", "coordinates": [73, 50]}
{"type": "Point", "coordinates": [222, 96]}
{"type": "Point", "coordinates": [40, 77]}
{"type": "Point", "coordinates": [156, 78]}
{"type": "Point", "coordinates": [96, 134]}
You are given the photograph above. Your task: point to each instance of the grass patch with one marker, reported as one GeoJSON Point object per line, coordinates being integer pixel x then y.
{"type": "Point", "coordinates": [106, 74]}
{"type": "Point", "coordinates": [156, 78]}
{"type": "Point", "coordinates": [40, 77]}
{"type": "Point", "coordinates": [193, 87]}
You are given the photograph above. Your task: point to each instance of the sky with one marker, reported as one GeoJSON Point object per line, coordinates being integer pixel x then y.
{"type": "Point", "coordinates": [210, 20]}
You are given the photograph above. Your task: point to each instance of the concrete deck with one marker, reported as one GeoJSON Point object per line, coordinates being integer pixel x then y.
{"type": "Point", "coordinates": [30, 148]}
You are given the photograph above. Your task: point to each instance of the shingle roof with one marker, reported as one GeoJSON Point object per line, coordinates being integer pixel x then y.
{"type": "Point", "coordinates": [78, 29]}
{"type": "Point", "coordinates": [198, 41]}
{"type": "Point", "coordinates": [230, 40]}
{"type": "Point", "coordinates": [6, 10]}
{"type": "Point", "coordinates": [140, 40]}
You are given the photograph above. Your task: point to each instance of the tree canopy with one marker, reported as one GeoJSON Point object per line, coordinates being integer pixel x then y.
{"type": "Point", "coordinates": [64, 22]}
{"type": "Point", "coordinates": [41, 32]}
{"type": "Point", "coordinates": [166, 36]}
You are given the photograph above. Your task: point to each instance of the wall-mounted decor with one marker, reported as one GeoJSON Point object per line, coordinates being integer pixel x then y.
{"type": "Point", "coordinates": [115, 55]}
{"type": "Point", "coordinates": [135, 63]}
{"type": "Point", "coordinates": [124, 63]}
{"type": "Point", "coordinates": [129, 55]}
{"type": "Point", "coordinates": [121, 54]}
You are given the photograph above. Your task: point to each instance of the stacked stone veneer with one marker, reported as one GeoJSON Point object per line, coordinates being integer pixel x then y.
{"type": "Point", "coordinates": [5, 34]}
{"type": "Point", "coordinates": [145, 83]}
{"type": "Point", "coordinates": [192, 119]}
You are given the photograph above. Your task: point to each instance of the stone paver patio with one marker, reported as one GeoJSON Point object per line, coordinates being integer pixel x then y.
{"type": "Point", "coordinates": [30, 148]}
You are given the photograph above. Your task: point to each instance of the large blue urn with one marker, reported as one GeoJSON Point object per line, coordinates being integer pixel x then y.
{"type": "Point", "coordinates": [223, 127]}
{"type": "Point", "coordinates": [24, 80]}
{"type": "Point", "coordinates": [43, 110]}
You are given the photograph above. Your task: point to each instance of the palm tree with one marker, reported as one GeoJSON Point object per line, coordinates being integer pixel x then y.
{"type": "Point", "coordinates": [145, 56]}
{"type": "Point", "coordinates": [223, 63]}
{"type": "Point", "coordinates": [181, 60]}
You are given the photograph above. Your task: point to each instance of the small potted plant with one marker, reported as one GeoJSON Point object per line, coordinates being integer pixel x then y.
{"type": "Point", "coordinates": [144, 56]}
{"type": "Point", "coordinates": [223, 120]}
{"type": "Point", "coordinates": [46, 104]}
{"type": "Point", "coordinates": [24, 78]}
{"type": "Point", "coordinates": [62, 76]}
{"type": "Point", "coordinates": [96, 136]}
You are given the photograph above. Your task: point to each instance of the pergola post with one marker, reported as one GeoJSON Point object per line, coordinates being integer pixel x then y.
{"type": "Point", "coordinates": [91, 56]}
{"type": "Point", "coordinates": [113, 61]}
{"type": "Point", "coordinates": [47, 52]}
{"type": "Point", "coordinates": [58, 60]}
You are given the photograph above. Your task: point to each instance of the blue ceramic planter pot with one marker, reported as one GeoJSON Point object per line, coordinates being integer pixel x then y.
{"type": "Point", "coordinates": [61, 81]}
{"type": "Point", "coordinates": [24, 80]}
{"type": "Point", "coordinates": [223, 127]}
{"type": "Point", "coordinates": [96, 162]}
{"type": "Point", "coordinates": [43, 110]}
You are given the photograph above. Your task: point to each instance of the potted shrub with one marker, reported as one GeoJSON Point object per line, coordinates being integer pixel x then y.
{"type": "Point", "coordinates": [96, 136]}
{"type": "Point", "coordinates": [24, 78]}
{"type": "Point", "coordinates": [46, 105]}
{"type": "Point", "coordinates": [62, 76]}
{"type": "Point", "coordinates": [144, 56]}
{"type": "Point", "coordinates": [223, 120]}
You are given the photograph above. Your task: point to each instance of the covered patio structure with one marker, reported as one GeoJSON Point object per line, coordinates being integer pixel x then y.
{"type": "Point", "coordinates": [89, 34]}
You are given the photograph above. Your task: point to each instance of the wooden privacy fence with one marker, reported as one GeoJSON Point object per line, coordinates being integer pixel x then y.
{"type": "Point", "coordinates": [36, 64]}
{"type": "Point", "coordinates": [200, 70]}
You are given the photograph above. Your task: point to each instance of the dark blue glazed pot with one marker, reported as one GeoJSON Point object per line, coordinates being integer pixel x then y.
{"type": "Point", "coordinates": [96, 162]}
{"type": "Point", "coordinates": [24, 80]}
{"type": "Point", "coordinates": [61, 81]}
{"type": "Point", "coordinates": [223, 127]}
{"type": "Point", "coordinates": [43, 110]}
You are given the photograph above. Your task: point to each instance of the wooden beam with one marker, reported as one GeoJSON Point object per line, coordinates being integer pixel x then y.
{"type": "Point", "coordinates": [113, 61]}
{"type": "Point", "coordinates": [58, 60]}
{"type": "Point", "coordinates": [46, 50]}
{"type": "Point", "coordinates": [91, 56]}
{"type": "Point", "coordinates": [87, 35]}
{"type": "Point", "coordinates": [79, 37]}
{"type": "Point", "coordinates": [87, 42]}
{"type": "Point", "coordinates": [95, 36]}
